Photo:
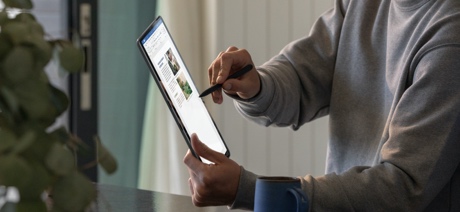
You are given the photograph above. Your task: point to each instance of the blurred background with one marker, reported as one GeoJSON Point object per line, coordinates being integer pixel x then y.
{"type": "Point", "coordinates": [116, 98]}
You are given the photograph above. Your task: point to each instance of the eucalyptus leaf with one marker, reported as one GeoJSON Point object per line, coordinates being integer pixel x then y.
{"type": "Point", "coordinates": [43, 76]}
{"type": "Point", "coordinates": [41, 146]}
{"type": "Point", "coordinates": [71, 58]}
{"type": "Point", "coordinates": [42, 51]}
{"type": "Point", "coordinates": [8, 141]}
{"type": "Point", "coordinates": [24, 142]}
{"type": "Point", "coordinates": [10, 99]}
{"type": "Point", "coordinates": [16, 31]}
{"type": "Point", "coordinates": [36, 184]}
{"type": "Point", "coordinates": [36, 28]}
{"type": "Point", "coordinates": [4, 124]}
{"type": "Point", "coordinates": [33, 96]}
{"type": "Point", "coordinates": [18, 64]}
{"type": "Point", "coordinates": [59, 99]}
{"type": "Point", "coordinates": [25, 17]}
{"type": "Point", "coordinates": [35, 206]}
{"type": "Point", "coordinates": [33, 26]}
{"type": "Point", "coordinates": [57, 104]}
{"type": "Point", "coordinates": [5, 46]}
{"type": "Point", "coordinates": [73, 192]}
{"type": "Point", "coordinates": [21, 4]}
{"type": "Point", "coordinates": [61, 134]}
{"type": "Point", "coordinates": [7, 117]}
{"type": "Point", "coordinates": [3, 17]}
{"type": "Point", "coordinates": [60, 160]}
{"type": "Point", "coordinates": [14, 171]}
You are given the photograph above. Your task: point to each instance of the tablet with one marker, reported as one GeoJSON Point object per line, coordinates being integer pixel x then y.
{"type": "Point", "coordinates": [177, 87]}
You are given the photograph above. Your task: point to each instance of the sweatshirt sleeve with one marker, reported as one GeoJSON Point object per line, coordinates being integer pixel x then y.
{"type": "Point", "coordinates": [246, 191]}
{"type": "Point", "coordinates": [299, 77]}
{"type": "Point", "coordinates": [420, 152]}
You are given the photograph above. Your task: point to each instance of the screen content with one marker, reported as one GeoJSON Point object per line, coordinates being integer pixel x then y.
{"type": "Point", "coordinates": [179, 86]}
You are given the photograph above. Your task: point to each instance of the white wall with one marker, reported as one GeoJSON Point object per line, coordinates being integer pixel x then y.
{"type": "Point", "coordinates": [264, 27]}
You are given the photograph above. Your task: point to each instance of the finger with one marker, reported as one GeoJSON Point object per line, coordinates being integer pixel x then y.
{"type": "Point", "coordinates": [217, 96]}
{"type": "Point", "coordinates": [214, 70]}
{"type": "Point", "coordinates": [226, 63]}
{"type": "Point", "coordinates": [204, 151]}
{"type": "Point", "coordinates": [193, 164]}
{"type": "Point", "coordinates": [190, 185]}
{"type": "Point", "coordinates": [213, 73]}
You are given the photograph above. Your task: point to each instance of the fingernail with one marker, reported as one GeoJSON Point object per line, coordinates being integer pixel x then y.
{"type": "Point", "coordinates": [218, 79]}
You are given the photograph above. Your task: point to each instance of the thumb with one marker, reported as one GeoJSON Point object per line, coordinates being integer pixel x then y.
{"type": "Point", "coordinates": [204, 151]}
{"type": "Point", "coordinates": [241, 88]}
{"type": "Point", "coordinates": [246, 86]}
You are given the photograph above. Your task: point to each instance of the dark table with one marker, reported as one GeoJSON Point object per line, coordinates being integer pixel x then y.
{"type": "Point", "coordinates": [115, 198]}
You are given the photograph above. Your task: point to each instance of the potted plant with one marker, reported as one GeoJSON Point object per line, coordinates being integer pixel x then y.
{"type": "Point", "coordinates": [33, 158]}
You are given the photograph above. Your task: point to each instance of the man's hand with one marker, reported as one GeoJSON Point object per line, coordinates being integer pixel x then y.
{"type": "Point", "coordinates": [211, 184]}
{"type": "Point", "coordinates": [228, 62]}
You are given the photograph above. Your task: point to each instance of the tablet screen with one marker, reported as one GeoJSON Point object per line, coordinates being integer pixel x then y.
{"type": "Point", "coordinates": [172, 76]}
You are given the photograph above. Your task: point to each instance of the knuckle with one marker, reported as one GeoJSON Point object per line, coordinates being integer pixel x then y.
{"type": "Point", "coordinates": [245, 52]}
{"type": "Point", "coordinates": [186, 160]}
{"type": "Point", "coordinates": [225, 56]}
{"type": "Point", "coordinates": [232, 48]}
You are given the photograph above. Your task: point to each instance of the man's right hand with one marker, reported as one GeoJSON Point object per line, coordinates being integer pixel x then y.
{"type": "Point", "coordinates": [228, 62]}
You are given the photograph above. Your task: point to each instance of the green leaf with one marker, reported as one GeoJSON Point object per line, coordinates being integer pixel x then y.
{"type": "Point", "coordinates": [41, 50]}
{"type": "Point", "coordinates": [36, 28]}
{"type": "Point", "coordinates": [59, 99]}
{"type": "Point", "coordinates": [18, 64]}
{"type": "Point", "coordinates": [25, 17]}
{"type": "Point", "coordinates": [105, 158]}
{"type": "Point", "coordinates": [14, 171]}
{"type": "Point", "coordinates": [25, 141]}
{"type": "Point", "coordinates": [38, 181]}
{"type": "Point", "coordinates": [73, 192]}
{"type": "Point", "coordinates": [8, 140]}
{"type": "Point", "coordinates": [16, 31]}
{"type": "Point", "coordinates": [71, 58]}
{"type": "Point", "coordinates": [41, 146]}
{"type": "Point", "coordinates": [21, 4]}
{"type": "Point", "coordinates": [3, 17]}
{"type": "Point", "coordinates": [34, 205]}
{"type": "Point", "coordinates": [61, 134]}
{"type": "Point", "coordinates": [33, 26]}
{"type": "Point", "coordinates": [33, 96]}
{"type": "Point", "coordinates": [60, 160]}
{"type": "Point", "coordinates": [5, 46]}
{"type": "Point", "coordinates": [10, 99]}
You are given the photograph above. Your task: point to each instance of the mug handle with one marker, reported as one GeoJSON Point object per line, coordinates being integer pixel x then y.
{"type": "Point", "coordinates": [302, 202]}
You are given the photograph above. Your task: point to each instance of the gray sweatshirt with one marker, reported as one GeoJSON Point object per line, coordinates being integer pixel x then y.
{"type": "Point", "coordinates": [387, 73]}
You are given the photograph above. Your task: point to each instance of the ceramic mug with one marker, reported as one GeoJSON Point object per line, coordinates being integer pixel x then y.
{"type": "Point", "coordinates": [279, 194]}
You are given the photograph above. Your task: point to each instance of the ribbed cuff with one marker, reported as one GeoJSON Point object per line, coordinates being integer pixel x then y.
{"type": "Point", "coordinates": [246, 190]}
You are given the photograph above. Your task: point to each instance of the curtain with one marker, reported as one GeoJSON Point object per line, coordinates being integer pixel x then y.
{"type": "Point", "coordinates": [123, 83]}
{"type": "Point", "coordinates": [163, 147]}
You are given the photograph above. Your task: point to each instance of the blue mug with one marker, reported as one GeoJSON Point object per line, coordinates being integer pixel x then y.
{"type": "Point", "coordinates": [274, 194]}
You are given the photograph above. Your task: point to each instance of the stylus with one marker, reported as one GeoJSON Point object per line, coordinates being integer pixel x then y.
{"type": "Point", "coordinates": [235, 75]}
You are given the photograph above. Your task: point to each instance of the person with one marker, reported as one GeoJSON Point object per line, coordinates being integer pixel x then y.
{"type": "Point", "coordinates": [387, 73]}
